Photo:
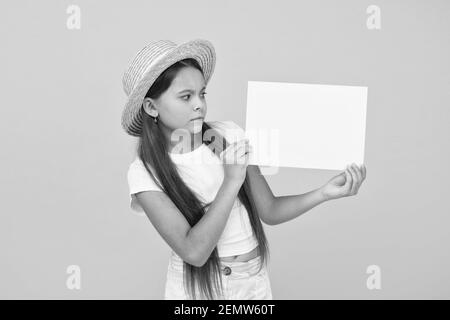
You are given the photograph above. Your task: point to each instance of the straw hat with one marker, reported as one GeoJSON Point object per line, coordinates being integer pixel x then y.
{"type": "Point", "coordinates": [147, 66]}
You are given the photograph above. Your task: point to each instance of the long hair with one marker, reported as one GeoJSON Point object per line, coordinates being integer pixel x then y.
{"type": "Point", "coordinates": [153, 151]}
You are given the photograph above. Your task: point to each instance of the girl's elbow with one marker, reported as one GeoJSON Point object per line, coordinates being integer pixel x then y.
{"type": "Point", "coordinates": [195, 259]}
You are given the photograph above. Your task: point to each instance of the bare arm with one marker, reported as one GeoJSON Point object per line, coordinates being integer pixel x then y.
{"type": "Point", "coordinates": [261, 192]}
{"type": "Point", "coordinates": [285, 208]}
{"type": "Point", "coordinates": [193, 244]}
{"type": "Point", "coordinates": [344, 184]}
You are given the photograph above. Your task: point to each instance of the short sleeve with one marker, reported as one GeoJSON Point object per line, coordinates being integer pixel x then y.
{"type": "Point", "coordinates": [139, 180]}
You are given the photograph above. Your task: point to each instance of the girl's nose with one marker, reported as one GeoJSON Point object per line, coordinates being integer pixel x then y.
{"type": "Point", "coordinates": [198, 106]}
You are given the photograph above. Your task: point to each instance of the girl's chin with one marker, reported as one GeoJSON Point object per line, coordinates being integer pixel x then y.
{"type": "Point", "coordinates": [198, 123]}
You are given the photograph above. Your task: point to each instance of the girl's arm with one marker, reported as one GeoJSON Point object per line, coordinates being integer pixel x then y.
{"type": "Point", "coordinates": [345, 184]}
{"type": "Point", "coordinates": [285, 208]}
{"type": "Point", "coordinates": [261, 192]}
{"type": "Point", "coordinates": [275, 210]}
{"type": "Point", "coordinates": [193, 244]}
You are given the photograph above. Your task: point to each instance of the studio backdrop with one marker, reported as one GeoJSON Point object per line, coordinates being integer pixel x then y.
{"type": "Point", "coordinates": [67, 230]}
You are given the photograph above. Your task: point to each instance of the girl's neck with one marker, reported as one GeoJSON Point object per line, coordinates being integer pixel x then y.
{"type": "Point", "coordinates": [196, 142]}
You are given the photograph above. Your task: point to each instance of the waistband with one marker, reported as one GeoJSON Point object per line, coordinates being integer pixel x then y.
{"type": "Point", "coordinates": [234, 269]}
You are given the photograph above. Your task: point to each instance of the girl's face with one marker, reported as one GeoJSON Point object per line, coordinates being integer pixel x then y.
{"type": "Point", "coordinates": [176, 108]}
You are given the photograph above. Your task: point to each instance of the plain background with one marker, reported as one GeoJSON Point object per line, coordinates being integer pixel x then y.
{"type": "Point", "coordinates": [64, 155]}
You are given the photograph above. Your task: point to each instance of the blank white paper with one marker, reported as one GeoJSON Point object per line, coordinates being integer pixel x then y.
{"type": "Point", "coordinates": [306, 125]}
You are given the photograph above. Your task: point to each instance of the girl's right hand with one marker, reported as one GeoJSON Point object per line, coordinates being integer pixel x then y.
{"type": "Point", "coordinates": [235, 161]}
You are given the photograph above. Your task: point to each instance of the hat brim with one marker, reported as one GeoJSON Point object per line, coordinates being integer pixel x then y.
{"type": "Point", "coordinates": [200, 50]}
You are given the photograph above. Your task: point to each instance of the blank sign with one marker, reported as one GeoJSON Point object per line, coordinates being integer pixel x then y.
{"type": "Point", "coordinates": [306, 125]}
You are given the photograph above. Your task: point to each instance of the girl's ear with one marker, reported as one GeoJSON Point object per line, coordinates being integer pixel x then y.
{"type": "Point", "coordinates": [149, 108]}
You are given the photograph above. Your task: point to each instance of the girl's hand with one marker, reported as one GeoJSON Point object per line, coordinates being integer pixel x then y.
{"type": "Point", "coordinates": [235, 161]}
{"type": "Point", "coordinates": [345, 184]}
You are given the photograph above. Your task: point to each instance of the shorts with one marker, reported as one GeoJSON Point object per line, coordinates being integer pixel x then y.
{"type": "Point", "coordinates": [241, 280]}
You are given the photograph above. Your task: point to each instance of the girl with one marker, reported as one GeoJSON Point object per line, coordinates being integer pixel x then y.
{"type": "Point", "coordinates": [200, 194]}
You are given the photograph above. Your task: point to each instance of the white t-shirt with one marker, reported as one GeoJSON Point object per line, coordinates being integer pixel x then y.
{"type": "Point", "coordinates": [202, 171]}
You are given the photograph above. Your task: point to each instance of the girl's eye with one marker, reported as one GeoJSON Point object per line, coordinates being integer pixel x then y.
{"type": "Point", "coordinates": [189, 95]}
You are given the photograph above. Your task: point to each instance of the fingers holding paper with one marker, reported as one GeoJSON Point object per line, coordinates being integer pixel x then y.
{"type": "Point", "coordinates": [346, 183]}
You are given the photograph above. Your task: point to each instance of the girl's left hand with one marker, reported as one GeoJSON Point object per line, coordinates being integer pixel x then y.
{"type": "Point", "coordinates": [345, 184]}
